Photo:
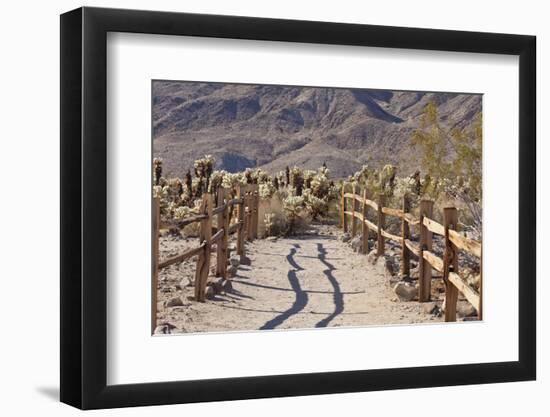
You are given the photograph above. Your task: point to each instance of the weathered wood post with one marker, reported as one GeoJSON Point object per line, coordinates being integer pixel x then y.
{"type": "Point", "coordinates": [256, 194]}
{"type": "Point", "coordinates": [355, 209]}
{"type": "Point", "coordinates": [155, 261]}
{"type": "Point", "coordinates": [381, 224]}
{"type": "Point", "coordinates": [248, 199]}
{"type": "Point", "coordinates": [424, 267]}
{"type": "Point", "coordinates": [225, 237]}
{"type": "Point", "coordinates": [405, 234]}
{"type": "Point", "coordinates": [365, 228]}
{"type": "Point", "coordinates": [480, 311]}
{"type": "Point", "coordinates": [240, 219]}
{"type": "Point", "coordinates": [450, 263]}
{"type": "Point", "coordinates": [205, 236]}
{"type": "Point", "coordinates": [344, 225]}
{"type": "Point", "coordinates": [220, 222]}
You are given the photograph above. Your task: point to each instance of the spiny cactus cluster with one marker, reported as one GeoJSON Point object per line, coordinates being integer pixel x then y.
{"type": "Point", "coordinates": [303, 194]}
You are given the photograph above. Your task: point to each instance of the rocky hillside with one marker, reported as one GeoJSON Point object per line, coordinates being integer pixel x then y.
{"type": "Point", "coordinates": [271, 126]}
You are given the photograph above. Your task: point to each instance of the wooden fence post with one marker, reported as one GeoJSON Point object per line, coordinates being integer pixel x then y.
{"type": "Point", "coordinates": [256, 213]}
{"type": "Point", "coordinates": [450, 263]}
{"type": "Point", "coordinates": [365, 228]}
{"type": "Point", "coordinates": [424, 267]}
{"type": "Point", "coordinates": [155, 262]}
{"type": "Point", "coordinates": [405, 234]}
{"type": "Point", "coordinates": [248, 199]}
{"type": "Point", "coordinates": [220, 222]}
{"type": "Point", "coordinates": [480, 311]}
{"type": "Point", "coordinates": [203, 262]}
{"type": "Point", "coordinates": [355, 208]}
{"type": "Point", "coordinates": [240, 219]}
{"type": "Point", "coordinates": [381, 224]}
{"type": "Point", "coordinates": [344, 225]}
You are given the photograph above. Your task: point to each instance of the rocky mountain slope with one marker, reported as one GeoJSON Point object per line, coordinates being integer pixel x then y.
{"type": "Point", "coordinates": [272, 126]}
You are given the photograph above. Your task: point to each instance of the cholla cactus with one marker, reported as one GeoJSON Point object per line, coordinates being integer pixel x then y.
{"type": "Point", "coordinates": [183, 212]}
{"type": "Point", "coordinates": [159, 192]}
{"type": "Point", "coordinates": [233, 180]}
{"type": "Point", "coordinates": [249, 176]}
{"type": "Point", "coordinates": [198, 187]}
{"type": "Point", "coordinates": [262, 176]}
{"type": "Point", "coordinates": [316, 206]}
{"type": "Point", "coordinates": [292, 206]}
{"type": "Point", "coordinates": [175, 189]}
{"type": "Point", "coordinates": [308, 177]}
{"type": "Point", "coordinates": [387, 178]}
{"type": "Point", "coordinates": [266, 190]}
{"type": "Point", "coordinates": [320, 184]}
{"type": "Point", "coordinates": [157, 170]}
{"type": "Point", "coordinates": [361, 176]}
{"type": "Point", "coordinates": [203, 169]}
{"type": "Point", "coordinates": [297, 180]}
{"type": "Point", "coordinates": [269, 222]}
{"type": "Point", "coordinates": [216, 181]}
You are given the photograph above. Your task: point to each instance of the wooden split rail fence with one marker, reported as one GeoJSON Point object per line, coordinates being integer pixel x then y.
{"type": "Point", "coordinates": [243, 221]}
{"type": "Point", "coordinates": [428, 260]}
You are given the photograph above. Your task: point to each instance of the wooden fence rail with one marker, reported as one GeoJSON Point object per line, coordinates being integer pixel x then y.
{"type": "Point", "coordinates": [245, 225]}
{"type": "Point", "coordinates": [427, 259]}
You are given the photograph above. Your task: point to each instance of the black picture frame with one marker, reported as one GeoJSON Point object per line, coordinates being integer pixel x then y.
{"type": "Point", "coordinates": [84, 207]}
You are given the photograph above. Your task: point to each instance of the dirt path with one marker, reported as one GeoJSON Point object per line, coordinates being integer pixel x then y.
{"type": "Point", "coordinates": [309, 281]}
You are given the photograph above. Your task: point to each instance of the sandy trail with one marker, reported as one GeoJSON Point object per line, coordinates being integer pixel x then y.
{"type": "Point", "coordinates": [308, 281]}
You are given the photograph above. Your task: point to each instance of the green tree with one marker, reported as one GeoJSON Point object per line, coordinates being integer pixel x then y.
{"type": "Point", "coordinates": [451, 160]}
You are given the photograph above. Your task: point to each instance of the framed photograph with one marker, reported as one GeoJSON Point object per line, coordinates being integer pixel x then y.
{"type": "Point", "coordinates": [258, 208]}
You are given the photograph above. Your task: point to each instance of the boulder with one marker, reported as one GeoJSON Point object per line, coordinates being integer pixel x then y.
{"type": "Point", "coordinates": [405, 291]}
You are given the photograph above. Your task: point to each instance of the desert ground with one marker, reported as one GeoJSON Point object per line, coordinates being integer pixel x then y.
{"type": "Point", "coordinates": [307, 281]}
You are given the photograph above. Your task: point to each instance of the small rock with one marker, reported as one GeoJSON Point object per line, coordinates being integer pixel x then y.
{"type": "Point", "coordinates": [227, 286]}
{"type": "Point", "coordinates": [210, 293]}
{"type": "Point", "coordinates": [164, 328]}
{"type": "Point", "coordinates": [271, 238]}
{"type": "Point", "coordinates": [235, 260]}
{"type": "Point", "coordinates": [232, 270]}
{"type": "Point", "coordinates": [174, 302]}
{"type": "Point", "coordinates": [217, 284]}
{"type": "Point", "coordinates": [465, 309]}
{"type": "Point", "coordinates": [430, 308]}
{"type": "Point", "coordinates": [166, 289]}
{"type": "Point", "coordinates": [356, 244]}
{"type": "Point", "coordinates": [389, 266]}
{"type": "Point", "coordinates": [372, 257]}
{"type": "Point", "coordinates": [345, 237]}
{"type": "Point", "coordinates": [404, 291]}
